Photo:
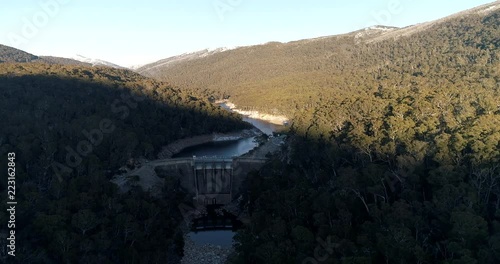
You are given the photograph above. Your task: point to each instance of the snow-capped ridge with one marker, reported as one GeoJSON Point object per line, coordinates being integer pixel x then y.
{"type": "Point", "coordinates": [382, 28]}
{"type": "Point", "coordinates": [95, 62]}
{"type": "Point", "coordinates": [488, 9]}
{"type": "Point", "coordinates": [184, 57]}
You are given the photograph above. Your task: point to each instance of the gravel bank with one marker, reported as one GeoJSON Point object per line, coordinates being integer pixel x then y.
{"type": "Point", "coordinates": [204, 254]}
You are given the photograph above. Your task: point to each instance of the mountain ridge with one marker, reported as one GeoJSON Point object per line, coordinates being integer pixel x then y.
{"type": "Point", "coordinates": [14, 55]}
{"type": "Point", "coordinates": [96, 62]}
{"type": "Point", "coordinates": [180, 58]}
{"type": "Point", "coordinates": [376, 33]}
{"type": "Point", "coordinates": [271, 75]}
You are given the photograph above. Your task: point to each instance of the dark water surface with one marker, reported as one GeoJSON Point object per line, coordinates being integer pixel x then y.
{"type": "Point", "coordinates": [232, 148]}
{"type": "Point", "coordinates": [222, 238]}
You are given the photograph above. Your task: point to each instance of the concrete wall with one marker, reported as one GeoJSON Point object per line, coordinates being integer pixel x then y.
{"type": "Point", "coordinates": [216, 179]}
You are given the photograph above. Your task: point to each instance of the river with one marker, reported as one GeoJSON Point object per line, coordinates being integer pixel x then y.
{"type": "Point", "coordinates": [234, 148]}
{"type": "Point", "coordinates": [223, 238]}
{"type": "Point", "coordinates": [266, 127]}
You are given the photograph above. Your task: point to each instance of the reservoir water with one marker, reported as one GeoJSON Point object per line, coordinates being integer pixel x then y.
{"type": "Point", "coordinates": [223, 238]}
{"type": "Point", "coordinates": [233, 148]}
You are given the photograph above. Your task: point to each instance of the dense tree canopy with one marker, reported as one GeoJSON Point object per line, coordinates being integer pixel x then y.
{"type": "Point", "coordinates": [68, 210]}
{"type": "Point", "coordinates": [393, 154]}
{"type": "Point", "coordinates": [404, 164]}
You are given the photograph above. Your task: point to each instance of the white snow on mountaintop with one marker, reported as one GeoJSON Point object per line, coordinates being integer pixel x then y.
{"type": "Point", "coordinates": [383, 28]}
{"type": "Point", "coordinates": [373, 30]}
{"type": "Point", "coordinates": [135, 67]}
{"type": "Point", "coordinates": [95, 62]}
{"type": "Point", "coordinates": [489, 9]}
{"type": "Point", "coordinates": [222, 49]}
{"type": "Point", "coordinates": [211, 51]}
{"type": "Point", "coordinates": [206, 52]}
{"type": "Point", "coordinates": [203, 53]}
{"type": "Point", "coordinates": [482, 10]}
{"type": "Point", "coordinates": [184, 57]}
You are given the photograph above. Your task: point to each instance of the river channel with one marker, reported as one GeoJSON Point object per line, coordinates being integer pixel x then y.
{"type": "Point", "coordinates": [234, 148]}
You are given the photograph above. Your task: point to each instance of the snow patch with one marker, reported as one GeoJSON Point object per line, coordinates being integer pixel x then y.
{"type": "Point", "coordinates": [95, 62]}
{"type": "Point", "coordinates": [380, 28]}
{"type": "Point", "coordinates": [135, 67]}
{"type": "Point", "coordinates": [489, 9]}
{"type": "Point", "coordinates": [183, 57]}
{"type": "Point", "coordinates": [374, 30]}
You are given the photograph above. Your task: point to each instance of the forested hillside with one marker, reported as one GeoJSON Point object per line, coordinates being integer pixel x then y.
{"type": "Point", "coordinates": [68, 211]}
{"type": "Point", "coordinates": [9, 54]}
{"type": "Point", "coordinates": [62, 61]}
{"type": "Point", "coordinates": [393, 154]}
{"type": "Point", "coordinates": [395, 144]}
{"type": "Point", "coordinates": [296, 76]}
{"type": "Point", "coordinates": [405, 164]}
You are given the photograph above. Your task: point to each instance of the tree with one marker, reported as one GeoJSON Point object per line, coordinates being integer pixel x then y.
{"type": "Point", "coordinates": [84, 220]}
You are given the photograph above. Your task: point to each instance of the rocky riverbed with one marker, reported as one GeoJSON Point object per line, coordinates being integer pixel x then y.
{"type": "Point", "coordinates": [194, 252]}
{"type": "Point", "coordinates": [205, 253]}
{"type": "Point", "coordinates": [273, 119]}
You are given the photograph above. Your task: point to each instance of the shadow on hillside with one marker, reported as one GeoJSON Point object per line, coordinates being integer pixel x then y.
{"type": "Point", "coordinates": [67, 133]}
{"type": "Point", "coordinates": [333, 197]}
{"type": "Point", "coordinates": [46, 115]}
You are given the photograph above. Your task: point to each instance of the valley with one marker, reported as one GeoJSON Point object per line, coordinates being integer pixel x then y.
{"type": "Point", "coordinates": [381, 145]}
{"type": "Point", "coordinates": [214, 244]}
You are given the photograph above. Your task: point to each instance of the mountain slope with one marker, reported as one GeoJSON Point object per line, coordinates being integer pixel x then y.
{"type": "Point", "coordinates": [482, 10]}
{"type": "Point", "coordinates": [273, 75]}
{"type": "Point", "coordinates": [62, 61]}
{"type": "Point", "coordinates": [9, 54]}
{"type": "Point", "coordinates": [96, 62]}
{"type": "Point", "coordinates": [145, 69]}
{"type": "Point", "coordinates": [395, 147]}
{"type": "Point", "coordinates": [71, 128]}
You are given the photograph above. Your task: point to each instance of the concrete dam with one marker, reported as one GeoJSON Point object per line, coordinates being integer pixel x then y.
{"type": "Point", "coordinates": [210, 180]}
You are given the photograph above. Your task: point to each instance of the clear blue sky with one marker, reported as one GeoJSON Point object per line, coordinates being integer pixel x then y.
{"type": "Point", "coordinates": [130, 32]}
